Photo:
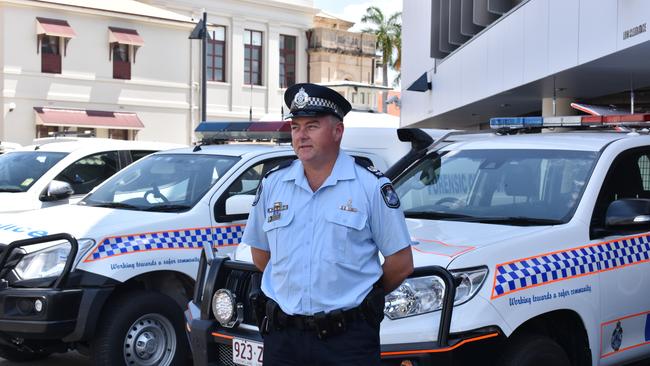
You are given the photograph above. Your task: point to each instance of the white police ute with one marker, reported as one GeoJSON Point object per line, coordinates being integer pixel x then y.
{"type": "Point", "coordinates": [529, 249]}
{"type": "Point", "coordinates": [54, 172]}
{"type": "Point", "coordinates": [110, 275]}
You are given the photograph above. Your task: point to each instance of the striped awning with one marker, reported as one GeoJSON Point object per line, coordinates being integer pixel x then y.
{"type": "Point", "coordinates": [124, 36]}
{"type": "Point", "coordinates": [87, 118]}
{"type": "Point", "coordinates": [54, 27]}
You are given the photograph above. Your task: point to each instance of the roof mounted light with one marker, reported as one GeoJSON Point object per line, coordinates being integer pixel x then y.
{"type": "Point", "coordinates": [515, 122]}
{"type": "Point", "coordinates": [245, 131]}
{"type": "Point", "coordinates": [612, 121]}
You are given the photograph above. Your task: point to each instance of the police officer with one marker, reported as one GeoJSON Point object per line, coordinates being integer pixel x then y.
{"type": "Point", "coordinates": [316, 229]}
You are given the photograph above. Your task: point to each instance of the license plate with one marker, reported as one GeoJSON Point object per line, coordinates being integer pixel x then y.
{"type": "Point", "coordinates": [247, 353]}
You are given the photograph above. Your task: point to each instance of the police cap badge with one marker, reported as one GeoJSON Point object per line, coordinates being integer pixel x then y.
{"type": "Point", "coordinates": [308, 99]}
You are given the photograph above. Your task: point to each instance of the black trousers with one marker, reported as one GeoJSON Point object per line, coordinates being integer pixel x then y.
{"type": "Point", "coordinates": [358, 346]}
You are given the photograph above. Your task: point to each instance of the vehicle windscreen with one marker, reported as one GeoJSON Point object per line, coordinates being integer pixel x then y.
{"type": "Point", "coordinates": [21, 169]}
{"type": "Point", "coordinates": [509, 186]}
{"type": "Point", "coordinates": [162, 183]}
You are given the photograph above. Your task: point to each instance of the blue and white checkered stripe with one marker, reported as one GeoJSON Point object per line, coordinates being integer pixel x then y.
{"type": "Point", "coordinates": [521, 274]}
{"type": "Point", "coordinates": [177, 239]}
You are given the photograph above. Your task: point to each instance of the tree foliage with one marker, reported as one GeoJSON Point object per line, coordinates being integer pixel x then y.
{"type": "Point", "coordinates": [389, 37]}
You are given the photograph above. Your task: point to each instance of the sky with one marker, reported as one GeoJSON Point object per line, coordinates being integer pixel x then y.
{"type": "Point", "coordinates": [353, 10]}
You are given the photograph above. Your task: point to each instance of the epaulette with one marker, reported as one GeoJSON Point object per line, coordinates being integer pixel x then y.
{"type": "Point", "coordinates": [284, 164]}
{"type": "Point", "coordinates": [369, 167]}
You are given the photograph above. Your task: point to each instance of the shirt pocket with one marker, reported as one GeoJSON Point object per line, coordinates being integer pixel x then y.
{"type": "Point", "coordinates": [348, 231]}
{"type": "Point", "coordinates": [278, 235]}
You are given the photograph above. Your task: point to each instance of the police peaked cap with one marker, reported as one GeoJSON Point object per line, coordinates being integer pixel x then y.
{"type": "Point", "coordinates": [308, 100]}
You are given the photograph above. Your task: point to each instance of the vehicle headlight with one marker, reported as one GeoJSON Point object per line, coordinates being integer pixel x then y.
{"type": "Point", "coordinates": [420, 295]}
{"type": "Point", "coordinates": [226, 309]}
{"type": "Point", "coordinates": [49, 262]}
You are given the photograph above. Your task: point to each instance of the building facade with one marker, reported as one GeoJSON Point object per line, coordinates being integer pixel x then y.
{"type": "Point", "coordinates": [345, 61]}
{"type": "Point", "coordinates": [492, 58]}
{"type": "Point", "coordinates": [126, 69]}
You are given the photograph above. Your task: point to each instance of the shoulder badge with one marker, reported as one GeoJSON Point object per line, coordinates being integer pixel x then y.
{"type": "Point", "coordinates": [258, 194]}
{"type": "Point", "coordinates": [390, 196]}
{"type": "Point", "coordinates": [282, 165]}
{"type": "Point", "coordinates": [364, 163]}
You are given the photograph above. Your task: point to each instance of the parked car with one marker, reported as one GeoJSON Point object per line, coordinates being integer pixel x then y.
{"type": "Point", "coordinates": [117, 281]}
{"type": "Point", "coordinates": [8, 146]}
{"type": "Point", "coordinates": [529, 249]}
{"type": "Point", "coordinates": [52, 172]}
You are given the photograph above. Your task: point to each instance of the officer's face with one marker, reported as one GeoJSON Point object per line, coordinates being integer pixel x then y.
{"type": "Point", "coordinates": [316, 139]}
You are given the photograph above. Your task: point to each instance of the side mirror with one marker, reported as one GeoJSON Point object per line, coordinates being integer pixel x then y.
{"type": "Point", "coordinates": [240, 204]}
{"type": "Point", "coordinates": [628, 212]}
{"type": "Point", "coordinates": [57, 190]}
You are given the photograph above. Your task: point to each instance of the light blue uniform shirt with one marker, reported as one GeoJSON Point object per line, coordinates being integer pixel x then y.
{"type": "Point", "coordinates": [324, 245]}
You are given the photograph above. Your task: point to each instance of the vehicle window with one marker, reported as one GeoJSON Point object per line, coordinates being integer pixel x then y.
{"type": "Point", "coordinates": [139, 154]}
{"type": "Point", "coordinates": [86, 173]}
{"type": "Point", "coordinates": [489, 185]}
{"type": "Point", "coordinates": [21, 169]}
{"type": "Point", "coordinates": [628, 177]}
{"type": "Point", "coordinates": [248, 182]}
{"type": "Point", "coordinates": [163, 182]}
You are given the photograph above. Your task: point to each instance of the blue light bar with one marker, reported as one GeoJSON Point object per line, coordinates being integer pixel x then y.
{"type": "Point", "coordinates": [211, 126]}
{"type": "Point", "coordinates": [516, 122]}
{"type": "Point", "coordinates": [245, 130]}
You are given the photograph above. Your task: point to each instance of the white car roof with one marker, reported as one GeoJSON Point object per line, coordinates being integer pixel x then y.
{"type": "Point", "coordinates": [89, 145]}
{"type": "Point", "coordinates": [579, 141]}
{"type": "Point", "coordinates": [236, 149]}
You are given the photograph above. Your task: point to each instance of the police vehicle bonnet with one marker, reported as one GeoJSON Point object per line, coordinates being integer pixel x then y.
{"type": "Point", "coordinates": [308, 100]}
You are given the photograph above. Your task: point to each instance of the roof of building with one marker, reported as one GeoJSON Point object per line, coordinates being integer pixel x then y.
{"type": "Point", "coordinates": [346, 24]}
{"type": "Point", "coordinates": [124, 7]}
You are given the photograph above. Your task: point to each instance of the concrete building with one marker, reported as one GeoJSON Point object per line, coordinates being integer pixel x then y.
{"type": "Point", "coordinates": [262, 41]}
{"type": "Point", "coordinates": [485, 58]}
{"type": "Point", "coordinates": [126, 69]}
{"type": "Point", "coordinates": [345, 61]}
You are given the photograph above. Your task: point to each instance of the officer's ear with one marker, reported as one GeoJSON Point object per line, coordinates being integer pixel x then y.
{"type": "Point", "coordinates": [338, 128]}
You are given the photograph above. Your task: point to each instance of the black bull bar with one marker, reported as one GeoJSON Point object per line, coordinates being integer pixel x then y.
{"type": "Point", "coordinates": [213, 276]}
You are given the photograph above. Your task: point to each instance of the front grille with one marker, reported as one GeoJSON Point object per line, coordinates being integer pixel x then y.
{"type": "Point", "coordinates": [225, 355]}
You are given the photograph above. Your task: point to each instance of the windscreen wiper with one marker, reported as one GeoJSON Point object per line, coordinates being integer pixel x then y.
{"type": "Point", "coordinates": [168, 208]}
{"type": "Point", "coordinates": [437, 215]}
{"type": "Point", "coordinates": [10, 189]}
{"type": "Point", "coordinates": [518, 221]}
{"type": "Point", "coordinates": [114, 205]}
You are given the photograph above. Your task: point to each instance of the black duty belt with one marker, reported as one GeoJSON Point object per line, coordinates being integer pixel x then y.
{"type": "Point", "coordinates": [333, 319]}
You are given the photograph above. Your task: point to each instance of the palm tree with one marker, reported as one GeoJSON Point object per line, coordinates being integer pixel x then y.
{"type": "Point", "coordinates": [388, 32]}
{"type": "Point", "coordinates": [397, 63]}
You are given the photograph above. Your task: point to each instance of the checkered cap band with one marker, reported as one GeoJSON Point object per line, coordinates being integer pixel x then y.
{"type": "Point", "coordinates": [320, 103]}
{"type": "Point", "coordinates": [178, 239]}
{"type": "Point", "coordinates": [571, 263]}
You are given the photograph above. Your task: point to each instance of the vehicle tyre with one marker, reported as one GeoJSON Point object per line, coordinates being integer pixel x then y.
{"type": "Point", "coordinates": [140, 329]}
{"type": "Point", "coordinates": [533, 350]}
{"type": "Point", "coordinates": [15, 355]}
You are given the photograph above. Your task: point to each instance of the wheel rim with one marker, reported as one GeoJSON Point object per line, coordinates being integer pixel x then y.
{"type": "Point", "coordinates": [150, 340]}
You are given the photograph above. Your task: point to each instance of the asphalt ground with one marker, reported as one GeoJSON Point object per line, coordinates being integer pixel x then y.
{"type": "Point", "coordinates": [57, 359]}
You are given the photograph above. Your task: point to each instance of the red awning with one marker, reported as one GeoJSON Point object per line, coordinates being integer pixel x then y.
{"type": "Point", "coordinates": [54, 27]}
{"type": "Point", "coordinates": [89, 119]}
{"type": "Point", "coordinates": [124, 36]}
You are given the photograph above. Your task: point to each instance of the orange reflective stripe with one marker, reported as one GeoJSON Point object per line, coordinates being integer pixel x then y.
{"type": "Point", "coordinates": [222, 335]}
{"type": "Point", "coordinates": [439, 350]}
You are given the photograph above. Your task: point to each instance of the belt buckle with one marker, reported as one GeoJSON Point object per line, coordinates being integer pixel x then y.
{"type": "Point", "coordinates": [322, 326]}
